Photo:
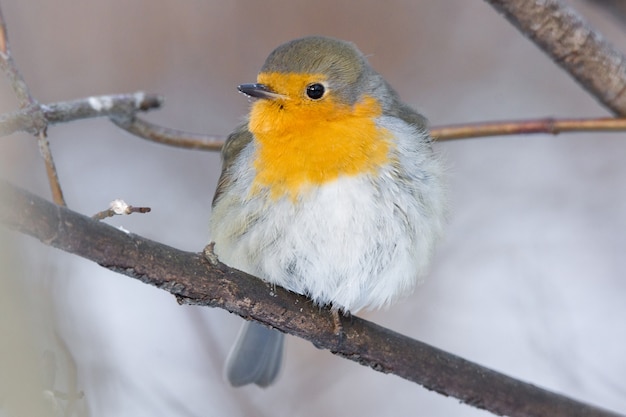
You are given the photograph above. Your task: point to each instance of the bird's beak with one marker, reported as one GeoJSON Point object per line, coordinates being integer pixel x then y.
{"type": "Point", "coordinates": [259, 91]}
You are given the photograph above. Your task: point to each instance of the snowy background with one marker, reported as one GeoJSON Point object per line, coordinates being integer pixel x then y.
{"type": "Point", "coordinates": [530, 279]}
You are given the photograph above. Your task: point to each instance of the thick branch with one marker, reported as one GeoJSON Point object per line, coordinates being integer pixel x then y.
{"type": "Point", "coordinates": [581, 51]}
{"type": "Point", "coordinates": [194, 280]}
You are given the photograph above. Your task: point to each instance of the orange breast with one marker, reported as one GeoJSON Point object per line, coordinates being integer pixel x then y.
{"type": "Point", "coordinates": [303, 143]}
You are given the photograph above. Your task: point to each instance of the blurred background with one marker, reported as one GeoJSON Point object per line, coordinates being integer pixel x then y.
{"type": "Point", "coordinates": [529, 281]}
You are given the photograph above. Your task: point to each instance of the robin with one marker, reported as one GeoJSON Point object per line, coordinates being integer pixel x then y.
{"type": "Point", "coordinates": [329, 189]}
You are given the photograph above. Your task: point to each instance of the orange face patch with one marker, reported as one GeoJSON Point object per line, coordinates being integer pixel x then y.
{"type": "Point", "coordinates": [304, 142]}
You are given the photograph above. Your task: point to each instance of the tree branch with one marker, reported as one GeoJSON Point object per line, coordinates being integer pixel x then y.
{"type": "Point", "coordinates": [122, 109]}
{"type": "Point", "coordinates": [51, 170]}
{"type": "Point", "coordinates": [442, 133]}
{"type": "Point", "coordinates": [38, 124]}
{"type": "Point", "coordinates": [167, 136]}
{"type": "Point", "coordinates": [8, 66]}
{"type": "Point", "coordinates": [194, 280]}
{"type": "Point", "coordinates": [118, 105]}
{"type": "Point", "coordinates": [525, 127]}
{"type": "Point", "coordinates": [576, 47]}
{"type": "Point", "coordinates": [119, 207]}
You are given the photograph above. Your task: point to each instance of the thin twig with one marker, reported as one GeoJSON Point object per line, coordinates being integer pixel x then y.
{"type": "Point", "coordinates": [7, 64]}
{"type": "Point", "coordinates": [550, 126]}
{"type": "Point", "coordinates": [4, 44]}
{"type": "Point", "coordinates": [121, 108]}
{"type": "Point", "coordinates": [195, 280]}
{"type": "Point", "coordinates": [38, 124]}
{"type": "Point", "coordinates": [575, 46]}
{"type": "Point", "coordinates": [53, 178]}
{"type": "Point", "coordinates": [123, 105]}
{"type": "Point", "coordinates": [119, 207]}
{"type": "Point", "coordinates": [167, 136]}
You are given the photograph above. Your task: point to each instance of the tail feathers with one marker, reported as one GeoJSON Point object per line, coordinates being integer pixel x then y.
{"type": "Point", "coordinates": [256, 357]}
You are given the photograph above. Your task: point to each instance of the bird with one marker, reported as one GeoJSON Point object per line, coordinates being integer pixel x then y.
{"type": "Point", "coordinates": [329, 188]}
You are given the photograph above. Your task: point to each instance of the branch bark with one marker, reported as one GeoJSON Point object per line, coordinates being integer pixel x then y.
{"type": "Point", "coordinates": [167, 136]}
{"type": "Point", "coordinates": [526, 127]}
{"type": "Point", "coordinates": [576, 47]}
{"type": "Point", "coordinates": [121, 106]}
{"type": "Point", "coordinates": [122, 109]}
{"type": "Point", "coordinates": [194, 280]}
{"type": "Point", "coordinates": [8, 66]}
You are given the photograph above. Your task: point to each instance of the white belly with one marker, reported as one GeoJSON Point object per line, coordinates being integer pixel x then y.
{"type": "Point", "coordinates": [355, 242]}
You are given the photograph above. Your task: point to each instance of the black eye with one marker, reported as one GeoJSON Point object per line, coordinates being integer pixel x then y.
{"type": "Point", "coordinates": [315, 91]}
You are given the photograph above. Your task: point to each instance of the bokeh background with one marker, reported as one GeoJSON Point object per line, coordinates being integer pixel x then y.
{"type": "Point", "coordinates": [529, 281]}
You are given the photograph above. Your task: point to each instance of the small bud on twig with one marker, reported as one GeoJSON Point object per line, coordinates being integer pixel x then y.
{"type": "Point", "coordinates": [119, 207]}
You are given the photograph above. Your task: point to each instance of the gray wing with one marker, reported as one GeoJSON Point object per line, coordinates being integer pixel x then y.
{"type": "Point", "coordinates": [233, 146]}
{"type": "Point", "coordinates": [394, 106]}
{"type": "Point", "coordinates": [410, 116]}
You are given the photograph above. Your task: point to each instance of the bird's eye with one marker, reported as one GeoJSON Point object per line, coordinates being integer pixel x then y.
{"type": "Point", "coordinates": [315, 91]}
